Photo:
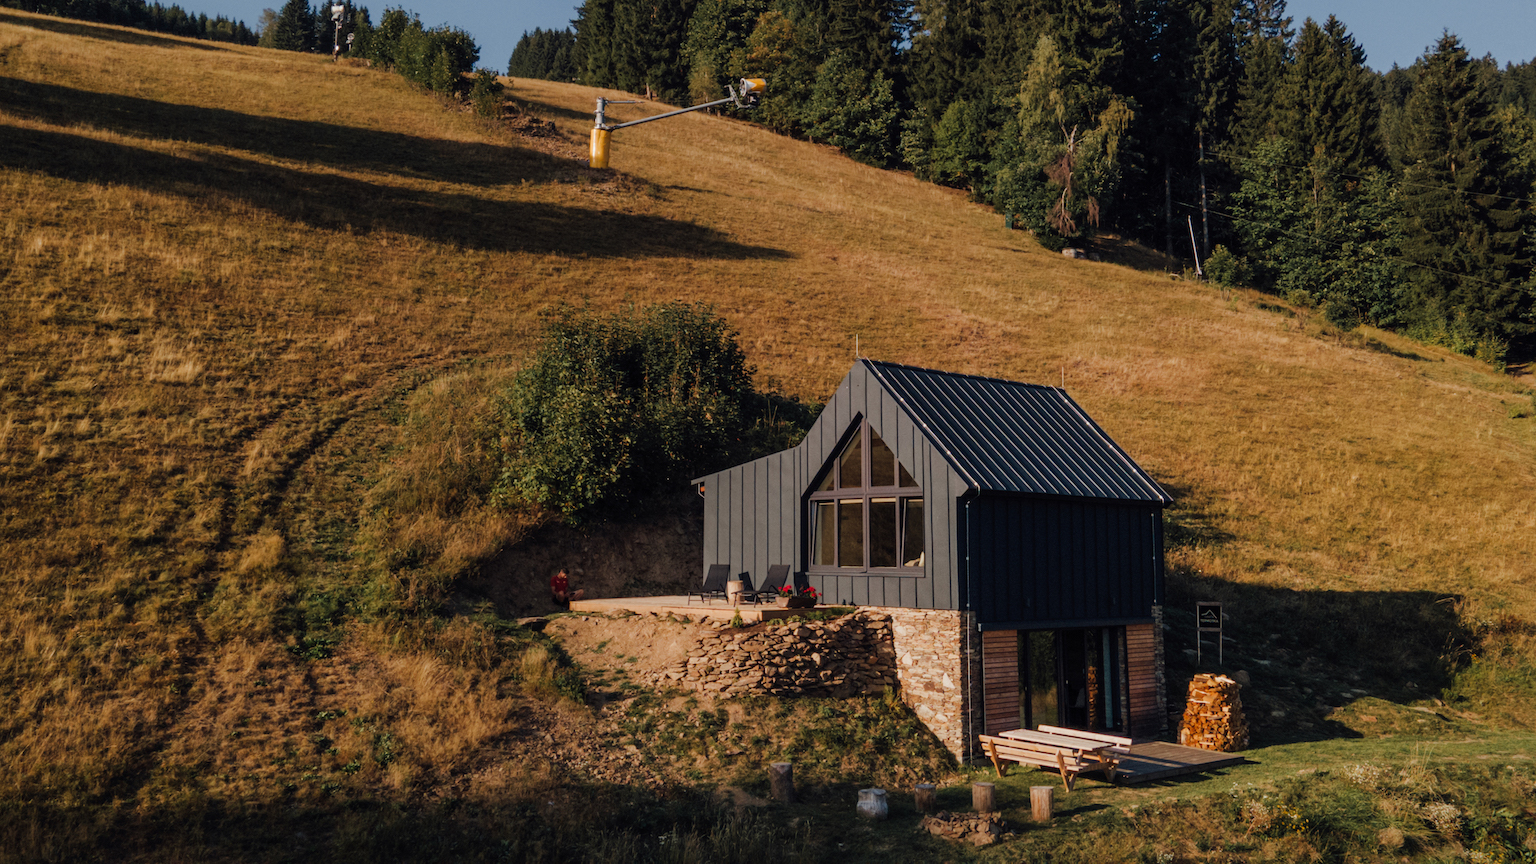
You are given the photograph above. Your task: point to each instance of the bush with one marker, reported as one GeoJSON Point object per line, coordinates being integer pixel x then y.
{"type": "Point", "coordinates": [485, 95]}
{"type": "Point", "coordinates": [614, 408]}
{"type": "Point", "coordinates": [1227, 269]}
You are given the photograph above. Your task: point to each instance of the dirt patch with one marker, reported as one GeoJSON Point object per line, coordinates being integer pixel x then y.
{"type": "Point", "coordinates": [633, 644]}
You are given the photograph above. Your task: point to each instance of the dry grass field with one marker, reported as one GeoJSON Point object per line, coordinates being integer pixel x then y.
{"type": "Point", "coordinates": [256, 306]}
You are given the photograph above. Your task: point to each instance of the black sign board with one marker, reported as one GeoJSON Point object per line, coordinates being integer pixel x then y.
{"type": "Point", "coordinates": [1208, 620]}
{"type": "Point", "coordinates": [1208, 616]}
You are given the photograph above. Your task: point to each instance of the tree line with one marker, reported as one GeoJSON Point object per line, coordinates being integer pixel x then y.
{"type": "Point", "coordinates": [434, 57]}
{"type": "Point", "coordinates": [154, 17]}
{"type": "Point", "coordinates": [1215, 129]}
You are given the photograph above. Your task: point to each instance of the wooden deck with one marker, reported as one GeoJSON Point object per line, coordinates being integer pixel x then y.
{"type": "Point", "coordinates": [678, 605]}
{"type": "Point", "coordinates": [1158, 760]}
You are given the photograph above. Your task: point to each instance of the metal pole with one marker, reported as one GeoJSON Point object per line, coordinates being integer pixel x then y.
{"type": "Point", "coordinates": [672, 113]}
{"type": "Point", "coordinates": [1199, 274]}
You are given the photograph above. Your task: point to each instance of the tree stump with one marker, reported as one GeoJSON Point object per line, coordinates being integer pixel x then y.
{"type": "Point", "coordinates": [984, 797]}
{"type": "Point", "coordinates": [872, 804]}
{"type": "Point", "coordinates": [781, 780]}
{"type": "Point", "coordinates": [926, 798]}
{"type": "Point", "coordinates": [1042, 801]}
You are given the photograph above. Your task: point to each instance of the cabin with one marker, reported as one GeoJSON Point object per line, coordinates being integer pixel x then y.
{"type": "Point", "coordinates": [1016, 546]}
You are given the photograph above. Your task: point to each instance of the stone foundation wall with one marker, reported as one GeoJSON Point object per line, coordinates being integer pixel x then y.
{"type": "Point", "coordinates": [934, 661]}
{"type": "Point", "coordinates": [925, 653]}
{"type": "Point", "coordinates": [843, 657]}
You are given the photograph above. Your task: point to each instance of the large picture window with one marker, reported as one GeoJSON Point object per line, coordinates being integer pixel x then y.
{"type": "Point", "coordinates": [867, 511]}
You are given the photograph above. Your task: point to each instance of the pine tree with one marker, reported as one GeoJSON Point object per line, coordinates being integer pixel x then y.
{"type": "Point", "coordinates": [596, 35]}
{"type": "Point", "coordinates": [1461, 218]}
{"type": "Point", "coordinates": [1264, 53]}
{"type": "Point", "coordinates": [1328, 103]}
{"type": "Point", "coordinates": [294, 29]}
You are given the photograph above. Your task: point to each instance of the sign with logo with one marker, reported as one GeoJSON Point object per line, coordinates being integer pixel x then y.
{"type": "Point", "coordinates": [1208, 620]}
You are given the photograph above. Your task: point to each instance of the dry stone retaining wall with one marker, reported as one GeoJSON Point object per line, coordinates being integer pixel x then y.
{"type": "Point", "coordinates": [843, 657]}
{"type": "Point", "coordinates": [924, 652]}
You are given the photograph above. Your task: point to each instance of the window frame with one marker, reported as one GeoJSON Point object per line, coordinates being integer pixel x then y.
{"type": "Point", "coordinates": [866, 494]}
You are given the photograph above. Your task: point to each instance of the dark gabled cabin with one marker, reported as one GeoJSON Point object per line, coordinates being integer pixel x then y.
{"type": "Point", "coordinates": [998, 500]}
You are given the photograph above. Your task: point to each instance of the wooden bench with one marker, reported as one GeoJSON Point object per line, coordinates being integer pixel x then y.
{"type": "Point", "coordinates": [1069, 751]}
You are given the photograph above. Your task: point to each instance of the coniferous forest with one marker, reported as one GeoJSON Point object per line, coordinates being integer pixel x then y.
{"type": "Point", "coordinates": [146, 16]}
{"type": "Point", "coordinates": [1222, 128]}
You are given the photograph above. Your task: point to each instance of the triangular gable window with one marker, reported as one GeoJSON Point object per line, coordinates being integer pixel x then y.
{"type": "Point", "coordinates": [867, 512]}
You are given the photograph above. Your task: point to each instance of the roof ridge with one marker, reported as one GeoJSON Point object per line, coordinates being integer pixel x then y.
{"type": "Point", "coordinates": [922, 420]}
{"type": "Point", "coordinates": [950, 374]}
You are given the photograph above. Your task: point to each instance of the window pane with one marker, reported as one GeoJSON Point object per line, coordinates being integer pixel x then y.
{"type": "Point", "coordinates": [906, 479]}
{"type": "Point", "coordinates": [882, 532]}
{"type": "Point", "coordinates": [823, 534]}
{"type": "Point", "coordinates": [912, 532]}
{"type": "Point", "coordinates": [850, 470]}
{"type": "Point", "coordinates": [850, 533]}
{"type": "Point", "coordinates": [882, 462]}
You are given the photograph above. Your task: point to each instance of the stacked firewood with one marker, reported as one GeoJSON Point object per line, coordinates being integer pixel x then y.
{"type": "Point", "coordinates": [1213, 716]}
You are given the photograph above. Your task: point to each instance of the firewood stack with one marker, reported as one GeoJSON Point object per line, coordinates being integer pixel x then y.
{"type": "Point", "coordinates": [1213, 716]}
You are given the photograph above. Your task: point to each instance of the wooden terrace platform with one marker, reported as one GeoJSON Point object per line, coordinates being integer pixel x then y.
{"type": "Point", "coordinates": [1159, 760]}
{"type": "Point", "coordinates": [679, 605]}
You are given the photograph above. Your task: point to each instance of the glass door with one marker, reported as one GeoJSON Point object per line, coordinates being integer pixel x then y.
{"type": "Point", "coordinates": [1071, 679]}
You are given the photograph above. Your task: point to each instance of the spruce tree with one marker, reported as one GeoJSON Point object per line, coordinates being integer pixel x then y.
{"type": "Point", "coordinates": [1328, 102]}
{"type": "Point", "coordinates": [1264, 52]}
{"type": "Point", "coordinates": [1462, 218]}
{"type": "Point", "coordinates": [294, 29]}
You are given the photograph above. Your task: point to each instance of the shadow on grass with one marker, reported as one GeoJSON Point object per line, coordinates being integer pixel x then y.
{"type": "Point", "coordinates": [1308, 652]}
{"type": "Point", "coordinates": [89, 30]}
{"type": "Point", "coordinates": [304, 141]}
{"type": "Point", "coordinates": [340, 203]}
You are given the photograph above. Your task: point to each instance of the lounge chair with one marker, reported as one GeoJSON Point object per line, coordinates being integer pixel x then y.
{"type": "Point", "coordinates": [714, 584]}
{"type": "Point", "coordinates": [778, 574]}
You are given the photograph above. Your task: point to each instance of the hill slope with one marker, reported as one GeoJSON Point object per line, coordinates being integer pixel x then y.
{"type": "Point", "coordinates": [256, 306]}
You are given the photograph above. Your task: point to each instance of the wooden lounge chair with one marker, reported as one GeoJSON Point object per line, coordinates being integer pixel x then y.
{"type": "Point", "coordinates": [1069, 751]}
{"type": "Point", "coordinates": [713, 585]}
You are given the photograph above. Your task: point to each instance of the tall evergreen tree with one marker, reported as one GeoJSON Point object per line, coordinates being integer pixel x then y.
{"type": "Point", "coordinates": [1264, 53]}
{"type": "Point", "coordinates": [1328, 102]}
{"type": "Point", "coordinates": [1462, 218]}
{"type": "Point", "coordinates": [294, 29]}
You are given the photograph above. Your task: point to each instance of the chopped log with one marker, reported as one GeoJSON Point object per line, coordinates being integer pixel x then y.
{"type": "Point", "coordinates": [984, 797]}
{"type": "Point", "coordinates": [781, 780]}
{"type": "Point", "coordinates": [1042, 803]}
{"type": "Point", "coordinates": [926, 798]}
{"type": "Point", "coordinates": [1213, 715]}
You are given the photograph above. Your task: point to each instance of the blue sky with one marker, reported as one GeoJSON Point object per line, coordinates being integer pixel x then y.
{"type": "Point", "coordinates": [1391, 32]}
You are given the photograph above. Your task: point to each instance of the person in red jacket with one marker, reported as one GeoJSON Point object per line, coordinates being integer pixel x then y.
{"type": "Point", "coordinates": [560, 589]}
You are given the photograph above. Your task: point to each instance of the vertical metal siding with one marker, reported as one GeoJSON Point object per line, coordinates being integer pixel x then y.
{"type": "Point", "coordinates": [1061, 560]}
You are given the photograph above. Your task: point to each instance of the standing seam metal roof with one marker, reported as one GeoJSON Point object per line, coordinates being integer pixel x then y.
{"type": "Point", "coordinates": [1006, 436]}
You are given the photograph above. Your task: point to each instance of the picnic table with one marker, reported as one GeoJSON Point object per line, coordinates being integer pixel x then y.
{"type": "Point", "coordinates": [1070, 751]}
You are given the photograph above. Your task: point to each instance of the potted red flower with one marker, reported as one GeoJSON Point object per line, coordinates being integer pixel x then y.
{"type": "Point", "coordinates": [805, 599]}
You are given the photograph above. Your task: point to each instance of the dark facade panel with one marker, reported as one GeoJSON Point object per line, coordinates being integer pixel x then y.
{"type": "Point", "coordinates": [1045, 560]}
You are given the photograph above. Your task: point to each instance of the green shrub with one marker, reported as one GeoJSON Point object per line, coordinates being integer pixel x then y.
{"type": "Point", "coordinates": [485, 95]}
{"type": "Point", "coordinates": [1227, 269]}
{"type": "Point", "coordinates": [614, 408]}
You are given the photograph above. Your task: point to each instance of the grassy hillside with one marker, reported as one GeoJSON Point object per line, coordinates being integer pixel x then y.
{"type": "Point", "coordinates": [256, 305]}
